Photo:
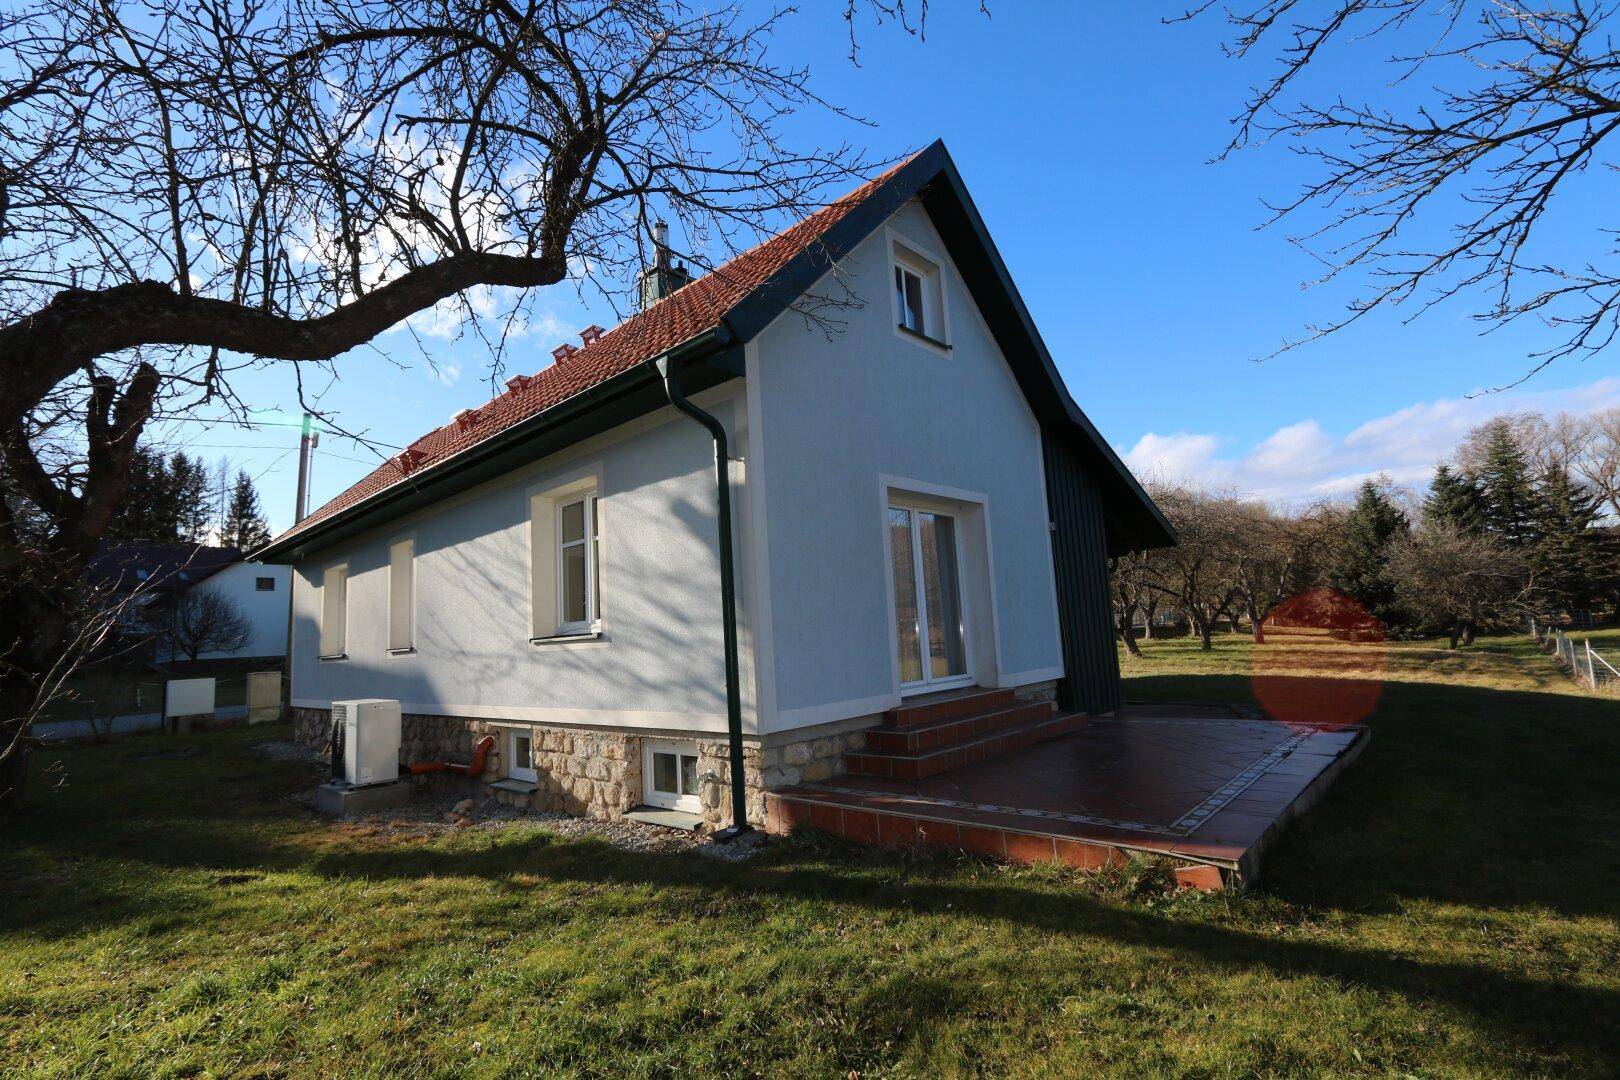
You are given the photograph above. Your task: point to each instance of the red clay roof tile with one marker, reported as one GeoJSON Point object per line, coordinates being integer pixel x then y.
{"type": "Point", "coordinates": [679, 317]}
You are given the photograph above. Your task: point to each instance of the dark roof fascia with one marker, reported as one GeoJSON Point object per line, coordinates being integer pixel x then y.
{"type": "Point", "coordinates": [712, 358]}
{"type": "Point", "coordinates": [933, 177]}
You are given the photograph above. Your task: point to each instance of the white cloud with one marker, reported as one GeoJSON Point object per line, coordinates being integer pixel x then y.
{"type": "Point", "coordinates": [1301, 461]}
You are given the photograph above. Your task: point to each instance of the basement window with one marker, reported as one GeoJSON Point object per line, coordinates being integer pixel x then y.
{"type": "Point", "coordinates": [669, 771]}
{"type": "Point", "coordinates": [520, 755]}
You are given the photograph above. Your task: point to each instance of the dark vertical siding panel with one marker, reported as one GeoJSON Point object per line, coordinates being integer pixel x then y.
{"type": "Point", "coordinates": [1080, 557]}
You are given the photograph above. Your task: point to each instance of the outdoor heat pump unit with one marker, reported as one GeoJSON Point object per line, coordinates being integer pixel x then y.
{"type": "Point", "coordinates": [367, 735]}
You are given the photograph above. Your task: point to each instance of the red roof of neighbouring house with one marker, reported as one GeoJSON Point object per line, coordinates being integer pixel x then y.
{"type": "Point", "coordinates": [677, 318]}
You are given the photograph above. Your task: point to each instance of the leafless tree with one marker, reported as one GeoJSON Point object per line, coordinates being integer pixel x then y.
{"type": "Point", "coordinates": [202, 620]}
{"type": "Point", "coordinates": [1483, 114]}
{"type": "Point", "coordinates": [1131, 580]}
{"type": "Point", "coordinates": [1198, 573]}
{"type": "Point", "coordinates": [192, 187]}
{"type": "Point", "coordinates": [1457, 582]}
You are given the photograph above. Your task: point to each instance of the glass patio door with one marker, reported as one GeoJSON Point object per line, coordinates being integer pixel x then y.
{"type": "Point", "coordinates": [927, 599]}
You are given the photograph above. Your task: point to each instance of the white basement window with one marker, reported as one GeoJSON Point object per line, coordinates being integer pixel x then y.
{"type": "Point", "coordinates": [334, 610]}
{"type": "Point", "coordinates": [520, 755]}
{"type": "Point", "coordinates": [402, 596]}
{"type": "Point", "coordinates": [669, 772]}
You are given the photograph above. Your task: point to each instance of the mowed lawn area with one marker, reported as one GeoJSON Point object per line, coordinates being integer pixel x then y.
{"type": "Point", "coordinates": [1448, 910]}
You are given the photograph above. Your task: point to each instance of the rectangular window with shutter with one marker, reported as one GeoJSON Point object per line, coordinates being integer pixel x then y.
{"type": "Point", "coordinates": [402, 596]}
{"type": "Point", "coordinates": [334, 610]}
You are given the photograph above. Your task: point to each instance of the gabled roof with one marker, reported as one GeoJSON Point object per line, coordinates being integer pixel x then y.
{"type": "Point", "coordinates": [127, 565]}
{"type": "Point", "coordinates": [733, 303]}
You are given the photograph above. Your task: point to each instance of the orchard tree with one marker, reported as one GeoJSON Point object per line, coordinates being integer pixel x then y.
{"type": "Point", "coordinates": [1454, 581]}
{"type": "Point", "coordinates": [192, 187]}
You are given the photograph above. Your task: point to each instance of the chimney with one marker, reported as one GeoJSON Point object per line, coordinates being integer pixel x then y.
{"type": "Point", "coordinates": [563, 352]}
{"type": "Point", "coordinates": [590, 334]}
{"type": "Point", "coordinates": [662, 277]}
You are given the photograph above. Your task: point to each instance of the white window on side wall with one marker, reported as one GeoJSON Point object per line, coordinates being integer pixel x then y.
{"type": "Point", "coordinates": [334, 610]}
{"type": "Point", "coordinates": [402, 596]}
{"type": "Point", "coordinates": [579, 576]}
{"type": "Point", "coordinates": [919, 295]}
{"type": "Point", "coordinates": [565, 551]}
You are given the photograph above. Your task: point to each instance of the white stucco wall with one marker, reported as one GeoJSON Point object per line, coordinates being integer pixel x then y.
{"type": "Point", "coordinates": [659, 665]}
{"type": "Point", "coordinates": [834, 414]}
{"type": "Point", "coordinates": [267, 611]}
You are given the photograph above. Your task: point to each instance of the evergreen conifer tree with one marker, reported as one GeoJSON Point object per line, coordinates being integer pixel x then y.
{"type": "Point", "coordinates": [1566, 555]}
{"type": "Point", "coordinates": [244, 525]}
{"type": "Point", "coordinates": [1509, 495]}
{"type": "Point", "coordinates": [1455, 500]}
{"type": "Point", "coordinates": [1361, 569]}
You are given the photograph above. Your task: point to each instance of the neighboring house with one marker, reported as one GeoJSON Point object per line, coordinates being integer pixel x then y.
{"type": "Point", "coordinates": [150, 576]}
{"type": "Point", "coordinates": [917, 505]}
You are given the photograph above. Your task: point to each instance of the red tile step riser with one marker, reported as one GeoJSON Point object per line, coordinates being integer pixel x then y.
{"type": "Point", "coordinates": [945, 758]}
{"type": "Point", "coordinates": [902, 830]}
{"type": "Point", "coordinates": [915, 738]}
{"type": "Point", "coordinates": [947, 708]}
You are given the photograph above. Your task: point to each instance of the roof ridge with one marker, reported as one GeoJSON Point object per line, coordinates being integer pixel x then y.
{"type": "Point", "coordinates": [695, 307]}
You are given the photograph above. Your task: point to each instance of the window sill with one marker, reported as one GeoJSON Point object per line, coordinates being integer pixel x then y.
{"type": "Point", "coordinates": [516, 786]}
{"type": "Point", "coordinates": [408, 650]}
{"type": "Point", "coordinates": [334, 656]}
{"type": "Point", "coordinates": [909, 332]}
{"type": "Point", "coordinates": [570, 638]}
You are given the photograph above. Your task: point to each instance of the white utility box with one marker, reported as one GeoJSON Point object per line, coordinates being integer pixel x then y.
{"type": "Point", "coordinates": [369, 729]}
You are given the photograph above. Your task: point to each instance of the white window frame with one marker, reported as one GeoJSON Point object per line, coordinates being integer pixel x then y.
{"type": "Point", "coordinates": [929, 269]}
{"type": "Point", "coordinates": [513, 770]}
{"type": "Point", "coordinates": [671, 800]}
{"type": "Point", "coordinates": [341, 634]}
{"type": "Point", "coordinates": [395, 648]}
{"type": "Point", "coordinates": [590, 540]}
{"type": "Point", "coordinates": [546, 626]}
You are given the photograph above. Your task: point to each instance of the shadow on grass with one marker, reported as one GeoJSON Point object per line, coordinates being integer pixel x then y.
{"type": "Point", "coordinates": [1477, 797]}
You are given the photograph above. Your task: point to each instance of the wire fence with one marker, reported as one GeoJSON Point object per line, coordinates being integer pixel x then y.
{"type": "Point", "coordinates": [1585, 665]}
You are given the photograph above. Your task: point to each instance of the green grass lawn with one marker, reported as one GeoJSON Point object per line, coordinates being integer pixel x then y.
{"type": "Point", "coordinates": [1448, 910]}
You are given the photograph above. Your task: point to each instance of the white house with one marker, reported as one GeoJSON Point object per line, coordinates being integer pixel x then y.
{"type": "Point", "coordinates": [154, 575]}
{"type": "Point", "coordinates": [916, 506]}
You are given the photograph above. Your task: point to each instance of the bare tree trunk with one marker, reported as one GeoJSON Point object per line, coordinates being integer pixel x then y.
{"type": "Point", "coordinates": [1456, 632]}
{"type": "Point", "coordinates": [1206, 631]}
{"type": "Point", "coordinates": [1254, 622]}
{"type": "Point", "coordinates": [1153, 609]}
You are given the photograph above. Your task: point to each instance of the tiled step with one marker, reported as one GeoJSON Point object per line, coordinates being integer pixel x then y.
{"type": "Point", "coordinates": [921, 763]}
{"type": "Point", "coordinates": [931, 708]}
{"type": "Point", "coordinates": [885, 823]}
{"type": "Point", "coordinates": [941, 733]}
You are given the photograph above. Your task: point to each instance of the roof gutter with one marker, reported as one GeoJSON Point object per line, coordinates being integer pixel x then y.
{"type": "Point", "coordinates": [295, 545]}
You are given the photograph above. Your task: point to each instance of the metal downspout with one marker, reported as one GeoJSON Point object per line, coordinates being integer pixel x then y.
{"type": "Point", "coordinates": [728, 597]}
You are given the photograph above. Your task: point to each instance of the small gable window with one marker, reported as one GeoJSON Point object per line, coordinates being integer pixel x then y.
{"type": "Point", "coordinates": [919, 300]}
{"type": "Point", "coordinates": [264, 584]}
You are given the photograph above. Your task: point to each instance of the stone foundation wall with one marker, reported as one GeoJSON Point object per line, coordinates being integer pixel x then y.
{"type": "Point", "coordinates": [598, 773]}
{"type": "Point", "coordinates": [591, 772]}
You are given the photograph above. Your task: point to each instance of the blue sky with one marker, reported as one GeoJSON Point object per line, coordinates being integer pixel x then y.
{"type": "Point", "coordinates": [1085, 133]}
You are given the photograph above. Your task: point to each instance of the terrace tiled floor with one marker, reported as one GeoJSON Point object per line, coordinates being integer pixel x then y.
{"type": "Point", "coordinates": [1204, 786]}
